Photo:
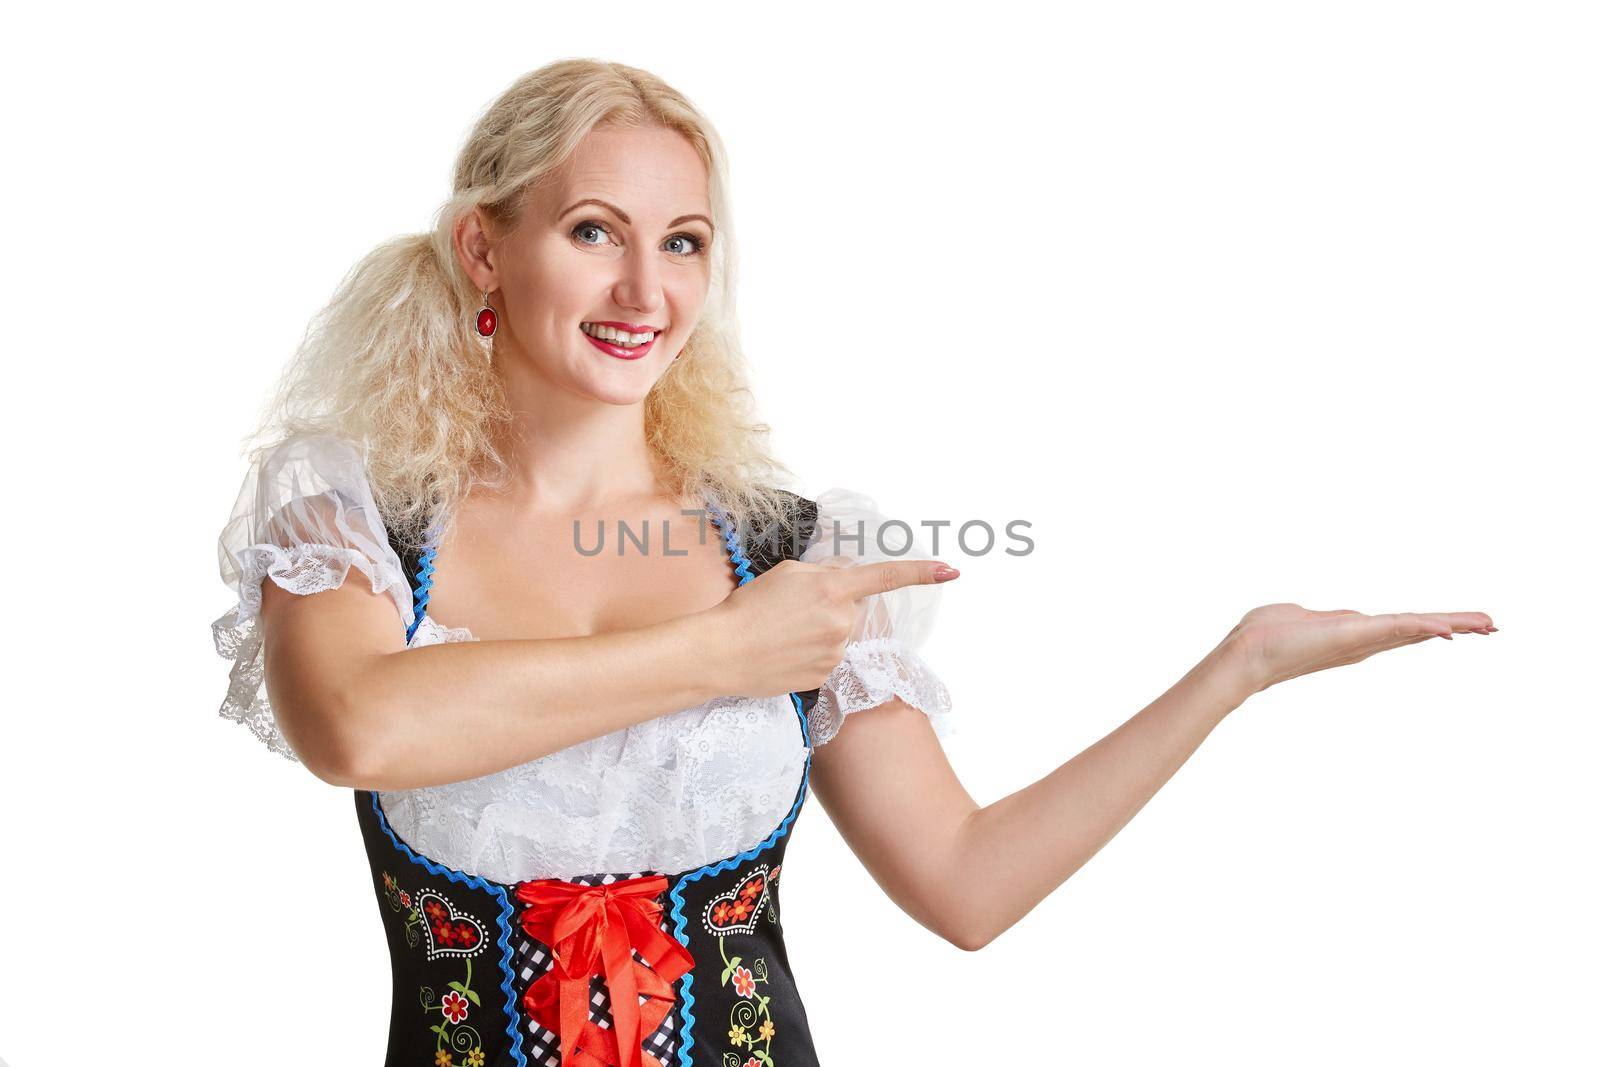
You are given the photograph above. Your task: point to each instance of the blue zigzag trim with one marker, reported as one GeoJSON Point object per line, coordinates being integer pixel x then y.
{"type": "Point", "coordinates": [419, 598]}
{"type": "Point", "coordinates": [741, 562]}
{"type": "Point", "coordinates": [499, 893]}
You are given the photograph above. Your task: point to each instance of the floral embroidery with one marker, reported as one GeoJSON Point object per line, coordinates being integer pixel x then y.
{"type": "Point", "coordinates": [448, 933]}
{"type": "Point", "coordinates": [737, 910]}
{"type": "Point", "coordinates": [735, 913]}
{"type": "Point", "coordinates": [744, 983]}
{"type": "Point", "coordinates": [454, 1006]}
{"type": "Point", "coordinates": [434, 922]}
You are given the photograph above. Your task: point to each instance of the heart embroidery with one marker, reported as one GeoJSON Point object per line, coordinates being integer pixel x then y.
{"type": "Point", "coordinates": [736, 910]}
{"type": "Point", "coordinates": [450, 933]}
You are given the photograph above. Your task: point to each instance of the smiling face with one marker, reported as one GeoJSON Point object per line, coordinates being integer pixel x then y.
{"type": "Point", "coordinates": [620, 235]}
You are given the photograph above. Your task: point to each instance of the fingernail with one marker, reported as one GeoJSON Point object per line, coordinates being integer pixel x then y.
{"type": "Point", "coordinates": [1492, 629]}
{"type": "Point", "coordinates": [944, 572]}
{"type": "Point", "coordinates": [1448, 637]}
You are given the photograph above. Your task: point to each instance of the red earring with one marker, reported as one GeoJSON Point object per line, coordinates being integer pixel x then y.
{"type": "Point", "coordinates": [486, 317]}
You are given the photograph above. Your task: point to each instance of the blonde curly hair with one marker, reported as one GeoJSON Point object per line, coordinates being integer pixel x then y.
{"type": "Point", "coordinates": [393, 363]}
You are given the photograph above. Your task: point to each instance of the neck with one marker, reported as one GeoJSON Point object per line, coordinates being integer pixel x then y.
{"type": "Point", "coordinates": [568, 452]}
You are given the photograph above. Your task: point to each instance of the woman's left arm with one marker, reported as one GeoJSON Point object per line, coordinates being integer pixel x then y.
{"type": "Point", "coordinates": [967, 872]}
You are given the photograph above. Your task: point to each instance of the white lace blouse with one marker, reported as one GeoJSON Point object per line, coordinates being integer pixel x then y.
{"type": "Point", "coordinates": [665, 795]}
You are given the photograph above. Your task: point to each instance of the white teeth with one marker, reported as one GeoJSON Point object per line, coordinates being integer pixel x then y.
{"type": "Point", "coordinates": [607, 333]}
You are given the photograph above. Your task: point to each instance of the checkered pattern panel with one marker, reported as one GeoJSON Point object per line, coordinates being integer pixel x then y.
{"type": "Point", "coordinates": [531, 959]}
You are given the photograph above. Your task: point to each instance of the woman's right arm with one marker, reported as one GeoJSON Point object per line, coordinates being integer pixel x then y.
{"type": "Point", "coordinates": [362, 710]}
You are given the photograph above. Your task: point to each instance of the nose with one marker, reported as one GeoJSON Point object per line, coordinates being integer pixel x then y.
{"type": "Point", "coordinates": [638, 286]}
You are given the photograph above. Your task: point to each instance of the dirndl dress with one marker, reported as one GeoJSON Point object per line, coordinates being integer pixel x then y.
{"type": "Point", "coordinates": [687, 966]}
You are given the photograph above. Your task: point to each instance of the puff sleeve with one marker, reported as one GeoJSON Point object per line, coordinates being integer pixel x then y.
{"type": "Point", "coordinates": [881, 660]}
{"type": "Point", "coordinates": [303, 518]}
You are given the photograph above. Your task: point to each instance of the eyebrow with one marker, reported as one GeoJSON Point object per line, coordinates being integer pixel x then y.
{"type": "Point", "coordinates": [623, 215]}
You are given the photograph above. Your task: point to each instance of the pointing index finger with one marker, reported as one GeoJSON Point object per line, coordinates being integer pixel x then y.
{"type": "Point", "coordinates": [870, 578]}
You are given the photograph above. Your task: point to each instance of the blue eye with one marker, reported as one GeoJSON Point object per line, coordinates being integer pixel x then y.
{"type": "Point", "coordinates": [698, 246]}
{"type": "Point", "coordinates": [593, 224]}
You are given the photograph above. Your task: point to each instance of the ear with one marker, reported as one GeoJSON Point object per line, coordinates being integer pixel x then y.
{"type": "Point", "coordinates": [474, 250]}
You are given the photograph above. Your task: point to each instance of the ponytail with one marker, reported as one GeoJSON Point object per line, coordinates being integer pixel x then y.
{"type": "Point", "coordinates": [393, 362]}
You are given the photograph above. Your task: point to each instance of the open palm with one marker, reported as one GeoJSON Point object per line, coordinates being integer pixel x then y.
{"type": "Point", "coordinates": [1281, 641]}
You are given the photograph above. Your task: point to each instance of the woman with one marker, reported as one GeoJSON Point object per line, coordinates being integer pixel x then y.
{"type": "Point", "coordinates": [576, 786]}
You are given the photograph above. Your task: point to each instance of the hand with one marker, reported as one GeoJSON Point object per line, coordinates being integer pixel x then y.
{"type": "Point", "coordinates": [785, 630]}
{"type": "Point", "coordinates": [1277, 642]}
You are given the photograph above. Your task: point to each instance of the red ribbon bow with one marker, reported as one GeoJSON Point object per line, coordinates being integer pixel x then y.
{"type": "Point", "coordinates": [594, 930]}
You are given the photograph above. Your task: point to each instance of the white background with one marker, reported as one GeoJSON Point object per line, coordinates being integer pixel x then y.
{"type": "Point", "coordinates": [1236, 303]}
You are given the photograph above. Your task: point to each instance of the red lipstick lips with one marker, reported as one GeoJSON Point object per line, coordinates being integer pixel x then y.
{"type": "Point", "coordinates": [618, 351]}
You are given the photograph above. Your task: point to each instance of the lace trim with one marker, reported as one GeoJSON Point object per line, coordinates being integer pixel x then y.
{"type": "Point", "coordinates": [430, 631]}
{"type": "Point", "coordinates": [669, 794]}
{"type": "Point", "coordinates": [874, 672]}
{"type": "Point", "coordinates": [301, 569]}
